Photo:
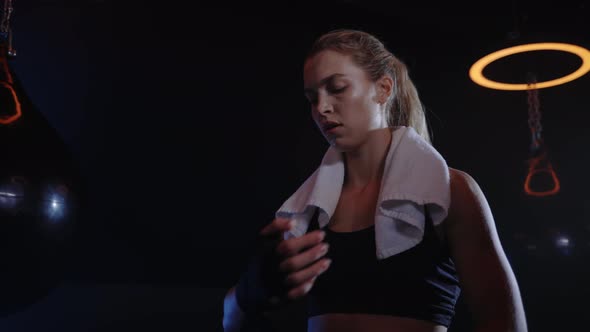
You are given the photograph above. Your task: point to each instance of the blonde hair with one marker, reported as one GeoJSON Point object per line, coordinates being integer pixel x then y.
{"type": "Point", "coordinates": [368, 52]}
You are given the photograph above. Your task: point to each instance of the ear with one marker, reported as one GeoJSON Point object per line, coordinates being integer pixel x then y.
{"type": "Point", "coordinates": [384, 88]}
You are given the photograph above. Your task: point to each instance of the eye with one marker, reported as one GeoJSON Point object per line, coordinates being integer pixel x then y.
{"type": "Point", "coordinates": [336, 90]}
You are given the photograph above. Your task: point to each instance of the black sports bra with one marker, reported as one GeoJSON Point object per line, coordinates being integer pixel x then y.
{"type": "Point", "coordinates": [419, 283]}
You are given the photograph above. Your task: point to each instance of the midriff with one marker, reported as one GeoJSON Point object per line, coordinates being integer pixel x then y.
{"type": "Point", "coordinates": [368, 322]}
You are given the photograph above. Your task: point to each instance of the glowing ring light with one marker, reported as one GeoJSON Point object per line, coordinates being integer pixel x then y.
{"type": "Point", "coordinates": [476, 70]}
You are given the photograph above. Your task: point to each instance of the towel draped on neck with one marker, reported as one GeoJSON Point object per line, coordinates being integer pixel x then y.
{"type": "Point", "coordinates": [415, 175]}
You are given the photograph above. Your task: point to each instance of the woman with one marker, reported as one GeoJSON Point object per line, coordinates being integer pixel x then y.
{"type": "Point", "coordinates": [362, 100]}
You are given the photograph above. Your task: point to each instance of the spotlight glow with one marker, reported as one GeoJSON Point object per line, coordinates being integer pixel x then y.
{"type": "Point", "coordinates": [563, 242]}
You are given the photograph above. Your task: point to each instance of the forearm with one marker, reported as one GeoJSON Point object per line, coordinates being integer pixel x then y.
{"type": "Point", "coordinates": [501, 327]}
{"type": "Point", "coordinates": [233, 316]}
{"type": "Point", "coordinates": [510, 320]}
{"type": "Point", "coordinates": [503, 316]}
{"type": "Point", "coordinates": [236, 320]}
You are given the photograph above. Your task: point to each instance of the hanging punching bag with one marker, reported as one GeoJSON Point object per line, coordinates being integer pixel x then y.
{"type": "Point", "coordinates": [38, 197]}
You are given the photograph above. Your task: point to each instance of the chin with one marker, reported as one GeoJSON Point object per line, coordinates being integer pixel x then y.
{"type": "Point", "coordinates": [342, 145]}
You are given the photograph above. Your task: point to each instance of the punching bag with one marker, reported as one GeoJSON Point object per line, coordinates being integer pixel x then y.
{"type": "Point", "coordinates": [38, 197]}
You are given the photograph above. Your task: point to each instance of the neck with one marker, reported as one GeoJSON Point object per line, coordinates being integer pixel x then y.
{"type": "Point", "coordinates": [364, 165]}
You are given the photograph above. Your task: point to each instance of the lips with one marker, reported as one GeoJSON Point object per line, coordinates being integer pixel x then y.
{"type": "Point", "coordinates": [329, 125]}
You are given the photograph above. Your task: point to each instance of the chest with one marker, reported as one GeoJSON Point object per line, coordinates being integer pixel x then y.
{"type": "Point", "coordinates": [355, 209]}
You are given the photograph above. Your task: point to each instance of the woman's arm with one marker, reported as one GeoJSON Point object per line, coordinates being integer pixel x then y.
{"type": "Point", "coordinates": [487, 281]}
{"type": "Point", "coordinates": [233, 316]}
{"type": "Point", "coordinates": [280, 272]}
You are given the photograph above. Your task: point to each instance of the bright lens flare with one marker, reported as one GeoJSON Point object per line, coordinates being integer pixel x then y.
{"type": "Point", "coordinates": [476, 70]}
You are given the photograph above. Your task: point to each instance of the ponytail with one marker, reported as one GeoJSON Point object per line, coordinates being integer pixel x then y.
{"type": "Point", "coordinates": [405, 107]}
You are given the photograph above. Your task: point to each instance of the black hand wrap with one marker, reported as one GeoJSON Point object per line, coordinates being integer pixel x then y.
{"type": "Point", "coordinates": [262, 280]}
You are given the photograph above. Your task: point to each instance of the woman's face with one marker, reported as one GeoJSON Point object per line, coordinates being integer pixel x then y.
{"type": "Point", "coordinates": [340, 91]}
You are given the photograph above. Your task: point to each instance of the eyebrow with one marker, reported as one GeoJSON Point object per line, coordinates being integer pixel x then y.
{"type": "Point", "coordinates": [323, 81]}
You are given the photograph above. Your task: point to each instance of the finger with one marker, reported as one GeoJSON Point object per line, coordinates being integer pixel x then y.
{"type": "Point", "coordinates": [308, 273]}
{"type": "Point", "coordinates": [300, 261]}
{"type": "Point", "coordinates": [278, 225]}
{"type": "Point", "coordinates": [301, 290]}
{"type": "Point", "coordinates": [295, 245]}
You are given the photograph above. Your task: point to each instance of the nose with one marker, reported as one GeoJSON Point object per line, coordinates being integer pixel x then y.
{"type": "Point", "coordinates": [324, 105]}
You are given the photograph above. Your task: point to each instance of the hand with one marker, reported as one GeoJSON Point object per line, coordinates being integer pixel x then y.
{"type": "Point", "coordinates": [301, 259]}
{"type": "Point", "coordinates": [281, 270]}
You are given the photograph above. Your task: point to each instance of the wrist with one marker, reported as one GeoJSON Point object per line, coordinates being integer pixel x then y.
{"type": "Point", "coordinates": [233, 315]}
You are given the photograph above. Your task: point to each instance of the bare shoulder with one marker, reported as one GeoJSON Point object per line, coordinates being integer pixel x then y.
{"type": "Point", "coordinates": [461, 181]}
{"type": "Point", "coordinates": [469, 215]}
{"type": "Point", "coordinates": [467, 198]}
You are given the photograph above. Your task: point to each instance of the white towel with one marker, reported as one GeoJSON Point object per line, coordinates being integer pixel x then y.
{"type": "Point", "coordinates": [415, 175]}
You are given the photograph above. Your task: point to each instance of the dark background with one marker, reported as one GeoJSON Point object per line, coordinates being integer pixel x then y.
{"type": "Point", "coordinates": [190, 128]}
